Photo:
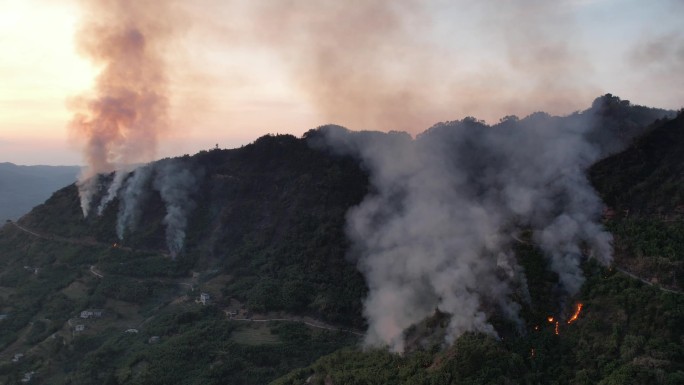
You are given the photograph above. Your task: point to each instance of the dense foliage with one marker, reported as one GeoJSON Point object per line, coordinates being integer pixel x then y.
{"type": "Point", "coordinates": [627, 333]}
{"type": "Point", "coordinates": [197, 347]}
{"type": "Point", "coordinates": [269, 225]}
{"type": "Point", "coordinates": [267, 236]}
{"type": "Point", "coordinates": [270, 214]}
{"type": "Point", "coordinates": [646, 178]}
{"type": "Point", "coordinates": [644, 189]}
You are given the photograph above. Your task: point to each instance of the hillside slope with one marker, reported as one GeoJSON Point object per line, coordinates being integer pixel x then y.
{"type": "Point", "coordinates": [629, 328]}
{"type": "Point", "coordinates": [265, 240]}
{"type": "Point", "coordinates": [643, 187]}
{"type": "Point", "coordinates": [270, 213]}
{"type": "Point", "coordinates": [646, 178]}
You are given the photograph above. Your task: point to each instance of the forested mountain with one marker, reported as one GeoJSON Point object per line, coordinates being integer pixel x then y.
{"type": "Point", "coordinates": [645, 178]}
{"type": "Point", "coordinates": [23, 187]}
{"type": "Point", "coordinates": [265, 240]}
{"type": "Point", "coordinates": [245, 266]}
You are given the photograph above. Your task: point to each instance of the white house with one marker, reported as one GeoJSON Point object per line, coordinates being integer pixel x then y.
{"type": "Point", "coordinates": [91, 313]}
{"type": "Point", "coordinates": [79, 328]}
{"type": "Point", "coordinates": [17, 357]}
{"type": "Point", "coordinates": [87, 314]}
{"type": "Point", "coordinates": [132, 331]}
{"type": "Point", "coordinates": [27, 377]}
{"type": "Point", "coordinates": [205, 298]}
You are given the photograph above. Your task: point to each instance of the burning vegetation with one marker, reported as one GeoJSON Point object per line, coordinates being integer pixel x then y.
{"type": "Point", "coordinates": [556, 323]}
{"type": "Point", "coordinates": [575, 315]}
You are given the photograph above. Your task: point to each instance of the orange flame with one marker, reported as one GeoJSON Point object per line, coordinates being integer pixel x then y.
{"type": "Point", "coordinates": [550, 319]}
{"type": "Point", "coordinates": [578, 309]}
{"type": "Point", "coordinates": [556, 330]}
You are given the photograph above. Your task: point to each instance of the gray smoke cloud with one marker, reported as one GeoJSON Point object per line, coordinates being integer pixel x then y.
{"type": "Point", "coordinates": [437, 229]}
{"type": "Point", "coordinates": [112, 190]}
{"type": "Point", "coordinates": [131, 199]}
{"type": "Point", "coordinates": [176, 181]}
{"type": "Point", "coordinates": [661, 59]}
{"type": "Point", "coordinates": [120, 121]}
{"type": "Point", "coordinates": [405, 64]}
{"type": "Point", "coordinates": [176, 184]}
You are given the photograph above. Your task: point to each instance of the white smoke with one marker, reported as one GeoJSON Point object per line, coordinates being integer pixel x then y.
{"type": "Point", "coordinates": [113, 190]}
{"type": "Point", "coordinates": [176, 181]}
{"type": "Point", "coordinates": [436, 230]}
{"type": "Point", "coordinates": [87, 188]}
{"type": "Point", "coordinates": [176, 184]}
{"type": "Point", "coordinates": [131, 199]}
{"type": "Point", "coordinates": [120, 121]}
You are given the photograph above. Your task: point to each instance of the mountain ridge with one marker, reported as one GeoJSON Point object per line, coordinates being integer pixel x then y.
{"type": "Point", "coordinates": [268, 236]}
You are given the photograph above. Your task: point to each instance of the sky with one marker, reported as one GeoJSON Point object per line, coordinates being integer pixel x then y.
{"type": "Point", "coordinates": [234, 70]}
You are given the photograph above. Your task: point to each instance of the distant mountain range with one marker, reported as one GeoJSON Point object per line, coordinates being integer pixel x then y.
{"type": "Point", "coordinates": [23, 187]}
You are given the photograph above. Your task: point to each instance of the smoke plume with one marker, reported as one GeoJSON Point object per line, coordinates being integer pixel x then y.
{"type": "Point", "coordinates": [131, 199]}
{"type": "Point", "coordinates": [176, 184]}
{"type": "Point", "coordinates": [405, 64]}
{"type": "Point", "coordinates": [357, 62]}
{"type": "Point", "coordinates": [661, 58]}
{"type": "Point", "coordinates": [120, 121]}
{"type": "Point", "coordinates": [436, 231]}
{"type": "Point", "coordinates": [112, 191]}
{"type": "Point", "coordinates": [176, 181]}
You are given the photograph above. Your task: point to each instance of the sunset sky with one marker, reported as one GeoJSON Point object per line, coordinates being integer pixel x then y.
{"type": "Point", "coordinates": [239, 69]}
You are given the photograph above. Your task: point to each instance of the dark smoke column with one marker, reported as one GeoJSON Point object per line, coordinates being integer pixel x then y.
{"type": "Point", "coordinates": [120, 121]}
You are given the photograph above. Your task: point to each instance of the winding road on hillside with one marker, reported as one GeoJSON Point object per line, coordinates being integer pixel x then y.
{"type": "Point", "coordinates": [82, 242]}
{"type": "Point", "coordinates": [99, 275]}
{"type": "Point", "coordinates": [93, 270]}
{"type": "Point", "coordinates": [644, 280]}
{"type": "Point", "coordinates": [60, 239]}
{"type": "Point", "coordinates": [311, 323]}
{"type": "Point", "coordinates": [619, 269]}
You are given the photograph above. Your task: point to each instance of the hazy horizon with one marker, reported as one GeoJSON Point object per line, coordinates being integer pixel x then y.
{"type": "Point", "coordinates": [236, 70]}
